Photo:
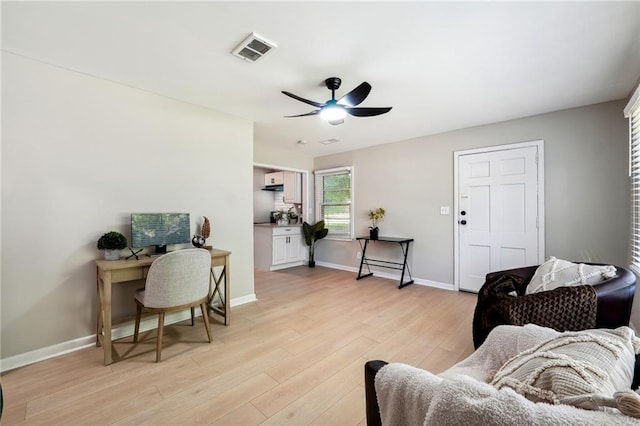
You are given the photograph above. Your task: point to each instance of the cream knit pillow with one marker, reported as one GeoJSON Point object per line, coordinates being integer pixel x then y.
{"type": "Point", "coordinates": [563, 369]}
{"type": "Point", "coordinates": [554, 273]}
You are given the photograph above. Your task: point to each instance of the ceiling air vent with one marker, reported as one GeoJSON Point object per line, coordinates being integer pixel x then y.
{"type": "Point", "coordinates": [253, 48]}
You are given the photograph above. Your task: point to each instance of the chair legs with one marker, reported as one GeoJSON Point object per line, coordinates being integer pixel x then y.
{"type": "Point", "coordinates": [160, 333]}
{"type": "Point", "coordinates": [205, 317]}
{"type": "Point", "coordinates": [137, 327]}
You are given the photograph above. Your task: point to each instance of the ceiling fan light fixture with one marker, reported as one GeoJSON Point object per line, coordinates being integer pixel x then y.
{"type": "Point", "coordinates": [333, 113]}
{"type": "Point", "coordinates": [335, 110]}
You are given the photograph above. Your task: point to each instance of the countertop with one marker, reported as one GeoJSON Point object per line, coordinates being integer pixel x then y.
{"type": "Point", "coordinates": [273, 225]}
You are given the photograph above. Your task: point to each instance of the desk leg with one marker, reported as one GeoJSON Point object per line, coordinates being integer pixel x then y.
{"type": "Point", "coordinates": [405, 266]}
{"type": "Point", "coordinates": [363, 259]}
{"type": "Point", "coordinates": [227, 292]}
{"type": "Point", "coordinates": [98, 309]}
{"type": "Point", "coordinates": [214, 287]}
{"type": "Point", "coordinates": [104, 291]}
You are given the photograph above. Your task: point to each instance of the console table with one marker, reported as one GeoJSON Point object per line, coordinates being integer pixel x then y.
{"type": "Point", "coordinates": [404, 246]}
{"type": "Point", "coordinates": [117, 271]}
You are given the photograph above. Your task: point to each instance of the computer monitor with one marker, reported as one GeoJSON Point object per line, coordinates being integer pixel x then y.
{"type": "Point", "coordinates": [160, 229]}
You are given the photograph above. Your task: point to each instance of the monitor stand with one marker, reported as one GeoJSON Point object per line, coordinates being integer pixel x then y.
{"type": "Point", "coordinates": [161, 250]}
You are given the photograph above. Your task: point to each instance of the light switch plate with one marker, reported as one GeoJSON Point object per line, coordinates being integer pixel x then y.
{"type": "Point", "coordinates": [444, 210]}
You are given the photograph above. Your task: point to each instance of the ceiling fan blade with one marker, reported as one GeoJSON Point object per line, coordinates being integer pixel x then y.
{"type": "Point", "coordinates": [367, 112]}
{"type": "Point", "coordinates": [336, 122]}
{"type": "Point", "coordinates": [316, 112]}
{"type": "Point", "coordinates": [356, 96]}
{"type": "Point", "coordinates": [306, 101]}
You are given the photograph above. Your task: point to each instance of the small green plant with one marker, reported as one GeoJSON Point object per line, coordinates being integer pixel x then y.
{"type": "Point", "coordinates": [112, 240]}
{"type": "Point", "coordinates": [375, 216]}
{"type": "Point", "coordinates": [313, 233]}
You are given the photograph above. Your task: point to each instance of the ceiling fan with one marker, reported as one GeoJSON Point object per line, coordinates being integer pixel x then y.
{"type": "Point", "coordinates": [334, 110]}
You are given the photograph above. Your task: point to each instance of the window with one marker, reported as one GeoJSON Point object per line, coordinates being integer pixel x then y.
{"type": "Point", "coordinates": [334, 200]}
{"type": "Point", "coordinates": [632, 111]}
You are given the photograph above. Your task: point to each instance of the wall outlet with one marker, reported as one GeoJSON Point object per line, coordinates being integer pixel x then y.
{"type": "Point", "coordinates": [358, 255]}
{"type": "Point", "coordinates": [444, 210]}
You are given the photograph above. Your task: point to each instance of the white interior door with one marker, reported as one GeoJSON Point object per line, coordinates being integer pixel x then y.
{"type": "Point", "coordinates": [499, 212]}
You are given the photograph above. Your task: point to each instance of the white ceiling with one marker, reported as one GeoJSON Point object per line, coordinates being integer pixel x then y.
{"type": "Point", "coordinates": [440, 65]}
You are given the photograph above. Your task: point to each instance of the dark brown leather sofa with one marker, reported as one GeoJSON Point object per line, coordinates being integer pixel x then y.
{"type": "Point", "coordinates": [563, 309]}
{"type": "Point", "coordinates": [614, 300]}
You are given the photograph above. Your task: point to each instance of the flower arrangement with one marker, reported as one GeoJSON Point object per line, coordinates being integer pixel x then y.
{"type": "Point", "coordinates": [375, 216]}
{"type": "Point", "coordinates": [292, 215]}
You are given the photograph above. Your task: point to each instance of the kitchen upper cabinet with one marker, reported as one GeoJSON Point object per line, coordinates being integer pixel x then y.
{"type": "Point", "coordinates": [274, 178]}
{"type": "Point", "coordinates": [292, 187]}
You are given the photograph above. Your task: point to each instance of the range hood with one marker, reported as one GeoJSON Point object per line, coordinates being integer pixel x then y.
{"type": "Point", "coordinates": [273, 188]}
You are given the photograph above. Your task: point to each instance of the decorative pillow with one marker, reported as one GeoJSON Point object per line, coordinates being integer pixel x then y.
{"type": "Point", "coordinates": [575, 368]}
{"type": "Point", "coordinates": [554, 273]}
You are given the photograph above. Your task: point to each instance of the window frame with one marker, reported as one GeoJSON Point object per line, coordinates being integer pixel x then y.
{"type": "Point", "coordinates": [319, 191]}
{"type": "Point", "coordinates": [632, 112]}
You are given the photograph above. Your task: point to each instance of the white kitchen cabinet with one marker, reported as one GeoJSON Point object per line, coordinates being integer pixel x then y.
{"type": "Point", "coordinates": [292, 187]}
{"type": "Point", "coordinates": [295, 248]}
{"type": "Point", "coordinates": [287, 248]}
{"type": "Point", "coordinates": [274, 178]}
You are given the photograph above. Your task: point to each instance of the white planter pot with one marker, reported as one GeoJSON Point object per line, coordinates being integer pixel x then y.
{"type": "Point", "coordinates": [111, 254]}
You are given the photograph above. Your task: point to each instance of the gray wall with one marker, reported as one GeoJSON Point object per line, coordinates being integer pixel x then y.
{"type": "Point", "coordinates": [79, 154]}
{"type": "Point", "coordinates": [586, 188]}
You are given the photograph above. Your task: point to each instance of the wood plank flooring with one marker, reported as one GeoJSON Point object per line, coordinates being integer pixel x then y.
{"type": "Point", "coordinates": [294, 357]}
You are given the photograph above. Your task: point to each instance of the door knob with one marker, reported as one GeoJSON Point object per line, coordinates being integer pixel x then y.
{"type": "Point", "coordinates": [463, 222]}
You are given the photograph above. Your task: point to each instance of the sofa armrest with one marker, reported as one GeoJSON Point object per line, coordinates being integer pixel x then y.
{"type": "Point", "coordinates": [371, 399]}
{"type": "Point", "coordinates": [615, 299]}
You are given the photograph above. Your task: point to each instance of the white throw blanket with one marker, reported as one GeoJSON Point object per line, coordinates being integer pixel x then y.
{"type": "Point", "coordinates": [460, 396]}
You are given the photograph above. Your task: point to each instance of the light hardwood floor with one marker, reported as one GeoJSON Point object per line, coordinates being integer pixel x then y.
{"type": "Point", "coordinates": [294, 357]}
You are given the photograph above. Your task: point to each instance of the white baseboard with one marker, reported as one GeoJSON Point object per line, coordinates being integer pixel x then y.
{"type": "Point", "coordinates": [396, 277]}
{"type": "Point", "coordinates": [124, 330]}
{"type": "Point", "coordinates": [244, 300]}
{"type": "Point", "coordinates": [286, 265]}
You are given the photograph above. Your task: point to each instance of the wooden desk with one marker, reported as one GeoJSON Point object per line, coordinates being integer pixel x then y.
{"type": "Point", "coordinates": [404, 266]}
{"type": "Point", "coordinates": [116, 271]}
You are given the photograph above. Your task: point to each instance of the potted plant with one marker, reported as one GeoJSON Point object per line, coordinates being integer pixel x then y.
{"type": "Point", "coordinates": [112, 242]}
{"type": "Point", "coordinates": [313, 233]}
{"type": "Point", "coordinates": [281, 217]}
{"type": "Point", "coordinates": [375, 216]}
{"type": "Point", "coordinates": [292, 215]}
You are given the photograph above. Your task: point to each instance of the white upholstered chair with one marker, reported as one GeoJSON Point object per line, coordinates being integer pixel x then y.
{"type": "Point", "coordinates": [175, 281]}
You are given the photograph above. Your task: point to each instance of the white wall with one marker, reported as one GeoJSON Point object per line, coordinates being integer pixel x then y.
{"type": "Point", "coordinates": [79, 154]}
{"type": "Point", "coordinates": [586, 188]}
{"type": "Point", "coordinates": [285, 158]}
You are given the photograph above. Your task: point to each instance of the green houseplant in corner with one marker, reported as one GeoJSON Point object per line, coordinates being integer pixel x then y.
{"type": "Point", "coordinates": [112, 242]}
{"type": "Point", "coordinates": [313, 233]}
